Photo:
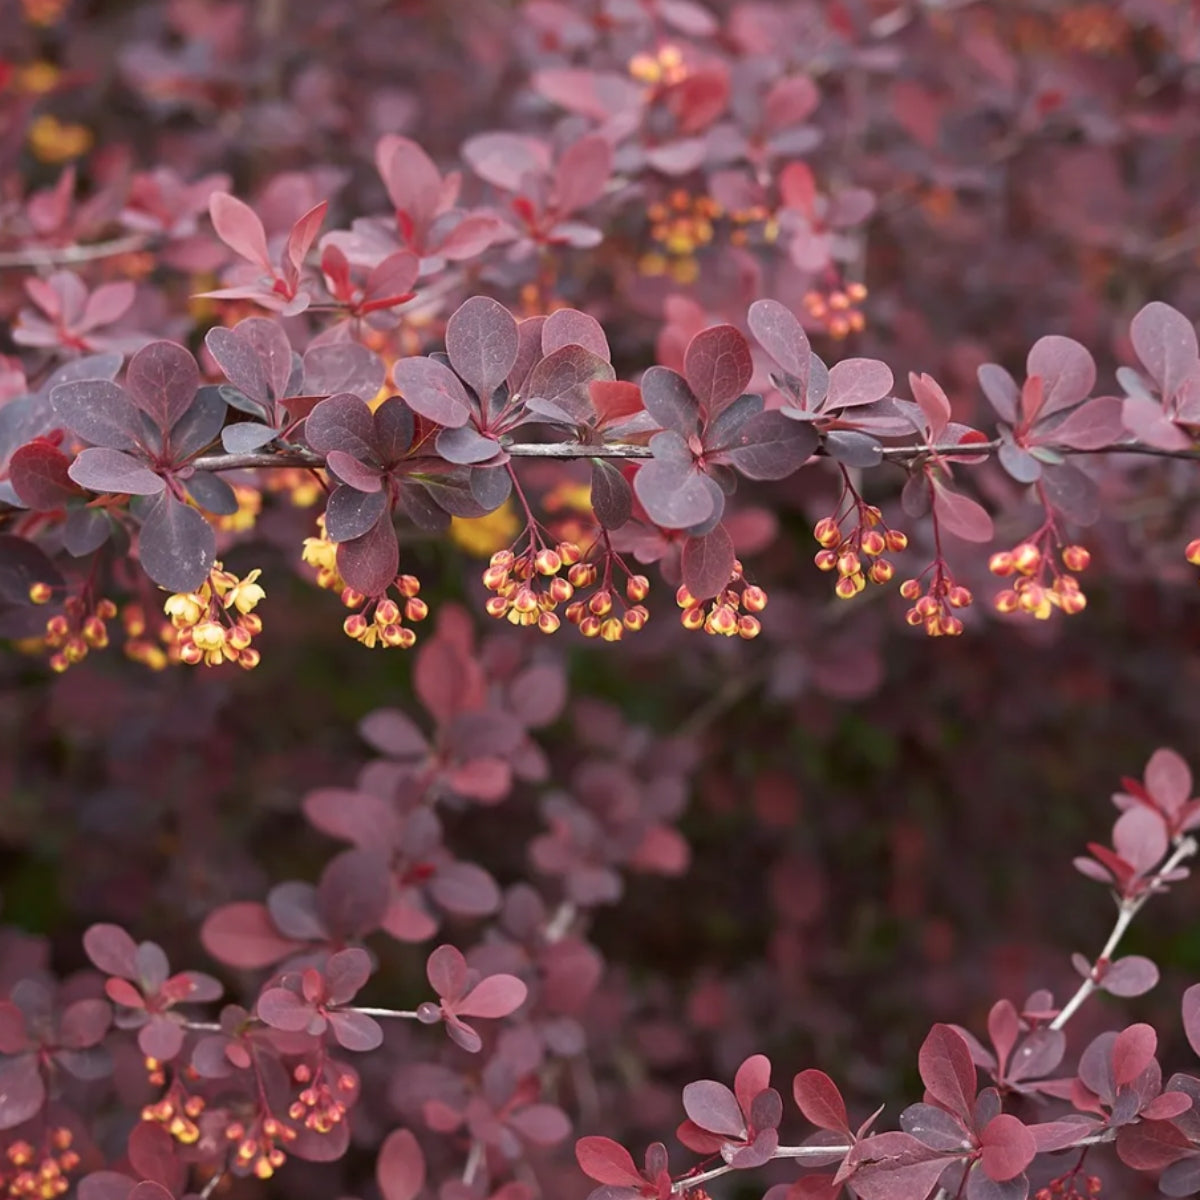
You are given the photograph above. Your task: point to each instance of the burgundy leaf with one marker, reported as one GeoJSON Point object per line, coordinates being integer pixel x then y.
{"type": "Point", "coordinates": [343, 367]}
{"type": "Point", "coordinates": [769, 446]}
{"type": "Point", "coordinates": [393, 732]}
{"type": "Point", "coordinates": [100, 469]}
{"type": "Point", "coordinates": [1133, 1052]}
{"type": "Point", "coordinates": [356, 1031]}
{"type": "Point", "coordinates": [369, 563]}
{"type": "Point", "coordinates": [1091, 426]}
{"type": "Point", "coordinates": [466, 890]}
{"type": "Point", "coordinates": [98, 411]}
{"type": "Point", "coordinates": [446, 970]}
{"type": "Point", "coordinates": [481, 342]}
{"type": "Point", "coordinates": [612, 497]}
{"type": "Point", "coordinates": [717, 366]}
{"type": "Point", "coordinates": [22, 1091]}
{"type": "Point", "coordinates": [504, 159]}
{"type": "Point", "coordinates": [350, 513]}
{"type": "Point", "coordinates": [239, 358]}
{"type": "Point", "coordinates": [670, 487]}
{"type": "Point", "coordinates": [162, 378]}
{"type": "Point", "coordinates": [668, 399]}
{"type": "Point", "coordinates": [892, 1166]}
{"type": "Point", "coordinates": [239, 228]}
{"type": "Point", "coordinates": [569, 327]}
{"type": "Point", "coordinates": [962, 516]}
{"type": "Point", "coordinates": [433, 390]}
{"type": "Point", "coordinates": [1066, 370]}
{"type": "Point", "coordinates": [342, 422]}
{"type": "Point", "coordinates": [466, 446]}
{"type": "Point", "coordinates": [177, 545]}
{"type": "Point", "coordinates": [582, 173]}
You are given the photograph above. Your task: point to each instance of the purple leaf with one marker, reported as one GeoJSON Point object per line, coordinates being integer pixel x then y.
{"type": "Point", "coordinates": [563, 378]}
{"type": "Point", "coordinates": [343, 367]}
{"type": "Point", "coordinates": [606, 1161]}
{"type": "Point", "coordinates": [238, 357]}
{"type": "Point", "coordinates": [353, 892]}
{"type": "Point", "coordinates": [934, 1127]}
{"type": "Point", "coordinates": [342, 422]}
{"type": "Point", "coordinates": [670, 487]}
{"type": "Point", "coordinates": [857, 381]}
{"type": "Point", "coordinates": [198, 427]}
{"type": "Point", "coordinates": [176, 546]}
{"type": "Point", "coordinates": [569, 327]}
{"type": "Point", "coordinates": [1019, 463]}
{"type": "Point", "coordinates": [1147, 421]}
{"type": "Point", "coordinates": [1165, 342]}
{"type": "Point", "coordinates": [360, 476]}
{"type": "Point", "coordinates": [582, 173]}
{"type": "Point", "coordinates": [481, 343]}
{"type": "Point", "coordinates": [769, 446]}
{"type": "Point", "coordinates": [717, 366]}
{"type": "Point", "coordinates": [853, 449]}
{"type": "Point", "coordinates": [351, 513]}
{"type": "Point", "coordinates": [708, 563]}
{"type": "Point", "coordinates": [612, 497]}
{"type": "Point", "coordinates": [668, 399]}
{"type": "Point", "coordinates": [98, 411]}
{"type": "Point", "coordinates": [782, 337]}
{"type": "Point", "coordinates": [22, 1092]}
{"type": "Point", "coordinates": [369, 562]}
{"type": "Point", "coordinates": [541, 1124]}
{"type": "Point", "coordinates": [1092, 426]}
{"type": "Point", "coordinates": [1132, 1052]}
{"type": "Point", "coordinates": [1001, 390]}
{"type": "Point", "coordinates": [245, 437]}
{"type": "Point", "coordinates": [433, 390]}
{"type": "Point", "coordinates": [243, 935]}
{"type": "Point", "coordinates": [102, 470]}
{"type": "Point", "coordinates": [465, 445]}
{"type": "Point", "coordinates": [713, 1107]}
{"type": "Point", "coordinates": [1066, 370]}
{"type": "Point", "coordinates": [1133, 975]}
{"type": "Point", "coordinates": [161, 380]}
{"type": "Point", "coordinates": [504, 159]}
{"type": "Point", "coordinates": [111, 950]}
{"type": "Point", "coordinates": [394, 733]}
{"type": "Point", "coordinates": [892, 1166]}
{"type": "Point", "coordinates": [283, 1009]}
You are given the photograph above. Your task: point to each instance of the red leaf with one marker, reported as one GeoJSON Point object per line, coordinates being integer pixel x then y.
{"type": "Point", "coordinates": [962, 516]}
{"type": "Point", "coordinates": [446, 970]}
{"type": "Point", "coordinates": [713, 1107]}
{"type": "Point", "coordinates": [947, 1071]}
{"type": "Point", "coordinates": [1133, 1052]}
{"type": "Point", "coordinates": [1008, 1147]}
{"type": "Point", "coordinates": [782, 337]}
{"type": "Point", "coordinates": [300, 239]}
{"type": "Point", "coordinates": [38, 472]}
{"type": "Point", "coordinates": [582, 173]}
{"type": "Point", "coordinates": [111, 950]}
{"type": "Point", "coordinates": [369, 563]}
{"type": "Point", "coordinates": [818, 1098]}
{"type": "Point", "coordinates": [1066, 369]}
{"type": "Point", "coordinates": [496, 996]}
{"type": "Point", "coordinates": [1165, 341]}
{"type": "Point", "coordinates": [718, 366]}
{"type": "Point", "coordinates": [606, 1161]}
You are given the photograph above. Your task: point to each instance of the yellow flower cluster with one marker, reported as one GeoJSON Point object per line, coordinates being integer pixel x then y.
{"type": "Point", "coordinates": [177, 1113]}
{"type": "Point", "coordinates": [257, 1147]}
{"type": "Point", "coordinates": [79, 628]}
{"type": "Point", "coordinates": [1039, 587]}
{"type": "Point", "coordinates": [55, 141]}
{"type": "Point", "coordinates": [529, 586]}
{"type": "Point", "coordinates": [837, 309]}
{"type": "Point", "coordinates": [723, 615]}
{"type": "Point", "coordinates": [217, 623]}
{"type": "Point", "coordinates": [662, 69]}
{"type": "Point", "coordinates": [38, 1176]}
{"type": "Point", "coordinates": [380, 622]}
{"type": "Point", "coordinates": [934, 610]}
{"type": "Point", "coordinates": [321, 553]}
{"type": "Point", "coordinates": [594, 617]}
{"type": "Point", "coordinates": [845, 554]}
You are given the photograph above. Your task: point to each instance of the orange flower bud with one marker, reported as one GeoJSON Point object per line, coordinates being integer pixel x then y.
{"type": "Point", "coordinates": [612, 630]}
{"type": "Point", "coordinates": [873, 543]}
{"type": "Point", "coordinates": [548, 562]}
{"type": "Point", "coordinates": [848, 563]}
{"type": "Point", "coordinates": [685, 599]}
{"type": "Point", "coordinates": [1026, 558]}
{"type": "Point", "coordinates": [754, 598]}
{"type": "Point", "coordinates": [637, 588]}
{"type": "Point", "coordinates": [910, 589]}
{"type": "Point", "coordinates": [882, 571]}
{"type": "Point", "coordinates": [692, 618]}
{"type": "Point", "coordinates": [589, 626]}
{"type": "Point", "coordinates": [896, 541]}
{"type": "Point", "coordinates": [600, 604]}
{"type": "Point", "coordinates": [826, 560]}
{"type": "Point", "coordinates": [548, 622]}
{"type": "Point", "coordinates": [415, 609]}
{"type": "Point", "coordinates": [748, 627]}
{"type": "Point", "coordinates": [40, 593]}
{"type": "Point", "coordinates": [1076, 558]}
{"type": "Point", "coordinates": [826, 532]}
{"type": "Point", "coordinates": [1001, 563]}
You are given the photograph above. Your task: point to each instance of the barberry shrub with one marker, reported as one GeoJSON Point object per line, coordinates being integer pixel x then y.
{"type": "Point", "coordinates": [519, 326]}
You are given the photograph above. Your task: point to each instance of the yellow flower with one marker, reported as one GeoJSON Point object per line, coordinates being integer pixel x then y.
{"type": "Point", "coordinates": [209, 637]}
{"type": "Point", "coordinates": [246, 593]}
{"type": "Point", "coordinates": [53, 141]}
{"type": "Point", "coordinates": [483, 536]}
{"type": "Point", "coordinates": [184, 609]}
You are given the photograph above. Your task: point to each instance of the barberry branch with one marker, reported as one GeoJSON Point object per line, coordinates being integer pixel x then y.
{"type": "Point", "coordinates": [1128, 909]}
{"type": "Point", "coordinates": [34, 257]}
{"type": "Point", "coordinates": [904, 455]}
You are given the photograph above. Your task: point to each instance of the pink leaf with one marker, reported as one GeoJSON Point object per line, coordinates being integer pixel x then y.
{"type": "Point", "coordinates": [446, 971]}
{"type": "Point", "coordinates": [111, 950]}
{"type": "Point", "coordinates": [1133, 1052]}
{"type": "Point", "coordinates": [1066, 369]}
{"type": "Point", "coordinates": [582, 173]}
{"type": "Point", "coordinates": [243, 935]}
{"type": "Point", "coordinates": [400, 1168]}
{"type": "Point", "coordinates": [753, 1076]}
{"type": "Point", "coordinates": [300, 241]}
{"type": "Point", "coordinates": [1165, 341]}
{"type": "Point", "coordinates": [714, 1108]}
{"type": "Point", "coordinates": [239, 228]}
{"type": "Point", "coordinates": [496, 996]}
{"type": "Point", "coordinates": [718, 366]}
{"type": "Point", "coordinates": [1168, 780]}
{"type": "Point", "coordinates": [962, 516]}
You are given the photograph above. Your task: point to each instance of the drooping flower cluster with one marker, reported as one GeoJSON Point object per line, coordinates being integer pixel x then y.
{"type": "Point", "coordinates": [935, 607]}
{"type": "Point", "coordinates": [723, 615]}
{"type": "Point", "coordinates": [217, 623]}
{"type": "Point", "coordinates": [28, 1174]}
{"type": "Point", "coordinates": [80, 627]}
{"type": "Point", "coordinates": [596, 616]}
{"type": "Point", "coordinates": [258, 1151]}
{"type": "Point", "coordinates": [379, 621]}
{"type": "Point", "coordinates": [321, 553]}
{"type": "Point", "coordinates": [529, 586]}
{"type": "Point", "coordinates": [1039, 587]}
{"type": "Point", "coordinates": [176, 1112]}
{"type": "Point", "coordinates": [837, 309]}
{"type": "Point", "coordinates": [857, 556]}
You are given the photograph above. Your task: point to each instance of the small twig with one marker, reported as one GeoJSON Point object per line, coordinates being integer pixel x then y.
{"type": "Point", "coordinates": [395, 1014]}
{"type": "Point", "coordinates": [1129, 908]}
{"type": "Point", "coordinates": [212, 1185]}
{"type": "Point", "coordinates": [474, 1159]}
